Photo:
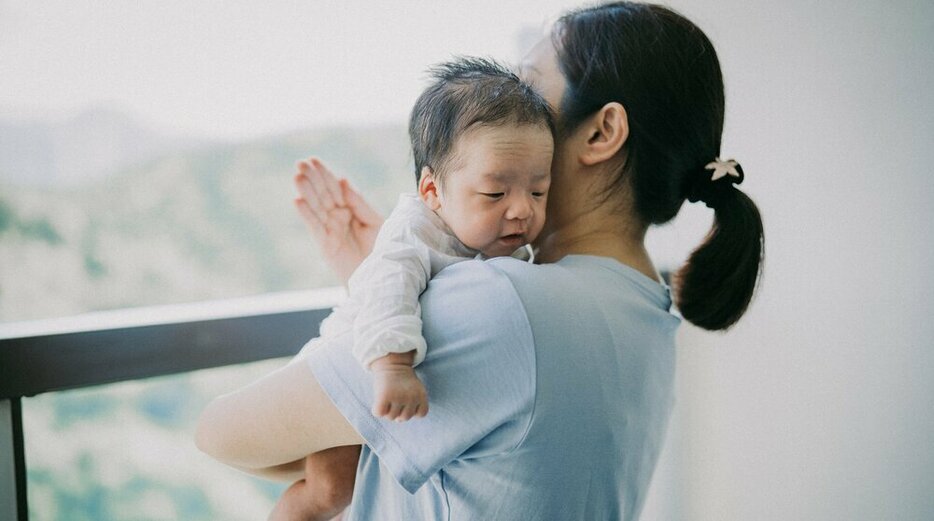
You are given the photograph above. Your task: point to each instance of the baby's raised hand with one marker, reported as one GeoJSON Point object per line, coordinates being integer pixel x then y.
{"type": "Point", "coordinates": [398, 393]}
{"type": "Point", "coordinates": [340, 220]}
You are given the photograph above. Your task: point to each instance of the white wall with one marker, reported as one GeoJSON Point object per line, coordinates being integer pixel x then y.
{"type": "Point", "coordinates": [818, 405]}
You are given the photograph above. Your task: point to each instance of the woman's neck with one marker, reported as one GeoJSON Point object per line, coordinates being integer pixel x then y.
{"type": "Point", "coordinates": [602, 234]}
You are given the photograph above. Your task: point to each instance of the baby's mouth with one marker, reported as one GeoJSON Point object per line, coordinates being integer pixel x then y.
{"type": "Point", "coordinates": [513, 237]}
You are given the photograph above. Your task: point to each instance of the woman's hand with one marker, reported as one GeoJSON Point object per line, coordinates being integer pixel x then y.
{"type": "Point", "coordinates": [341, 221]}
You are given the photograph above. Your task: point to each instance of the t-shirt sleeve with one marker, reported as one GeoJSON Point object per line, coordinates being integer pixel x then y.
{"type": "Point", "coordinates": [479, 372]}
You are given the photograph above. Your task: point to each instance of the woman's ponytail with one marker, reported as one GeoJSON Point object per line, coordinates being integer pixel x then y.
{"type": "Point", "coordinates": [714, 288]}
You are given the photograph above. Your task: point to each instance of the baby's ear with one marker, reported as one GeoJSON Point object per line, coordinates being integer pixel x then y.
{"type": "Point", "coordinates": [428, 189]}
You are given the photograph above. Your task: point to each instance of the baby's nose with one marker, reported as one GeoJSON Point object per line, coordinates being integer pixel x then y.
{"type": "Point", "coordinates": [519, 208]}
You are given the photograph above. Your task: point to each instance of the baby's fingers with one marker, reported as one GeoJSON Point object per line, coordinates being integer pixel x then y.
{"type": "Point", "coordinates": [382, 408]}
{"type": "Point", "coordinates": [311, 220]}
{"type": "Point", "coordinates": [315, 186]}
{"type": "Point", "coordinates": [358, 205]}
{"type": "Point", "coordinates": [407, 412]}
{"type": "Point", "coordinates": [329, 182]}
{"type": "Point", "coordinates": [421, 410]}
{"type": "Point", "coordinates": [305, 186]}
{"type": "Point", "coordinates": [395, 412]}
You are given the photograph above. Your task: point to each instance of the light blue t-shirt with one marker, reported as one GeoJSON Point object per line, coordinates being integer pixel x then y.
{"type": "Point", "coordinates": [550, 388]}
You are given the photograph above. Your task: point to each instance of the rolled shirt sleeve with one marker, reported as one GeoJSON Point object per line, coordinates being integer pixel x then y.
{"type": "Point", "coordinates": [479, 372]}
{"type": "Point", "coordinates": [388, 318]}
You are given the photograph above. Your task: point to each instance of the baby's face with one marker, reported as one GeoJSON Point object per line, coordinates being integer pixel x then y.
{"type": "Point", "coordinates": [493, 195]}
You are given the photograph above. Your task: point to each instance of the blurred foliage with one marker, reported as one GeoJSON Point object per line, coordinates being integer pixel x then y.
{"type": "Point", "coordinates": [124, 452]}
{"type": "Point", "coordinates": [91, 501]}
{"type": "Point", "coordinates": [70, 408]}
{"type": "Point", "coordinates": [169, 405]}
{"type": "Point", "coordinates": [6, 216]}
{"type": "Point", "coordinates": [39, 229]}
{"type": "Point", "coordinates": [205, 223]}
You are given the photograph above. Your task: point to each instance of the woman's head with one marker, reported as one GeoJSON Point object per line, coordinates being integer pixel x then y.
{"type": "Point", "coordinates": [659, 76]}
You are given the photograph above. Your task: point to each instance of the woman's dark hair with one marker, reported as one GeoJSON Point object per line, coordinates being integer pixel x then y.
{"type": "Point", "coordinates": [469, 91]}
{"type": "Point", "coordinates": [665, 72]}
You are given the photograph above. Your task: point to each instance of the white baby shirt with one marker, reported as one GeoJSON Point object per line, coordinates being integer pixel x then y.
{"type": "Point", "coordinates": [382, 308]}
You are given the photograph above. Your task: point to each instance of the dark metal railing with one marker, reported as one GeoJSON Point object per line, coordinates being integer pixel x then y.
{"type": "Point", "coordinates": [101, 348]}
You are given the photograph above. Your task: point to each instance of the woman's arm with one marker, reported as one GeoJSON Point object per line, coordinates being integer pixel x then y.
{"type": "Point", "coordinates": [277, 420]}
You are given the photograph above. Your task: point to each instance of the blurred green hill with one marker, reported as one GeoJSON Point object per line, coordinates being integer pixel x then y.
{"type": "Point", "coordinates": [209, 222]}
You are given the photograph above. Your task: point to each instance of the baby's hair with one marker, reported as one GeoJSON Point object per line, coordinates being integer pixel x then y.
{"type": "Point", "coordinates": [467, 92]}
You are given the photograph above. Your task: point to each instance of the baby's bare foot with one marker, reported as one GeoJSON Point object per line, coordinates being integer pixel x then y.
{"type": "Point", "coordinates": [398, 393]}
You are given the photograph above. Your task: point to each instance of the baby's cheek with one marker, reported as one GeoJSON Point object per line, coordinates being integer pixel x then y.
{"type": "Point", "coordinates": [539, 214]}
{"type": "Point", "coordinates": [483, 232]}
{"type": "Point", "coordinates": [475, 234]}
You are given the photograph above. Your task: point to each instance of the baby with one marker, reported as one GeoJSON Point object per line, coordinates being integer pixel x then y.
{"type": "Point", "coordinates": [482, 143]}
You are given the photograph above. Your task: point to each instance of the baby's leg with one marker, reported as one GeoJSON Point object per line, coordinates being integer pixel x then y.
{"type": "Point", "coordinates": [398, 394]}
{"type": "Point", "coordinates": [326, 490]}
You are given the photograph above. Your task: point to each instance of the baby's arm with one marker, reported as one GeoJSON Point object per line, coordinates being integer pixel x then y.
{"type": "Point", "coordinates": [387, 324]}
{"type": "Point", "coordinates": [388, 327]}
{"type": "Point", "coordinates": [386, 287]}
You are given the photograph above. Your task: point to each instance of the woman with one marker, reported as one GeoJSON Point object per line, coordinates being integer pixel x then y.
{"type": "Point", "coordinates": [569, 420]}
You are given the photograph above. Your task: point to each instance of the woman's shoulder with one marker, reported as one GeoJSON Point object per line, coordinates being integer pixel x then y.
{"type": "Point", "coordinates": [471, 291]}
{"type": "Point", "coordinates": [585, 276]}
{"type": "Point", "coordinates": [494, 285]}
{"type": "Point", "coordinates": [491, 283]}
{"type": "Point", "coordinates": [507, 290]}
{"type": "Point", "coordinates": [483, 298]}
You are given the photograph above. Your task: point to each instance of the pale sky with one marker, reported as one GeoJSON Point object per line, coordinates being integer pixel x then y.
{"type": "Point", "coordinates": [239, 69]}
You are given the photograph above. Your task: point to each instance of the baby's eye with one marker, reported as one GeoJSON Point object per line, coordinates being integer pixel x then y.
{"type": "Point", "coordinates": [493, 195]}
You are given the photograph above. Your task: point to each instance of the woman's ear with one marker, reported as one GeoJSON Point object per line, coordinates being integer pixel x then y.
{"type": "Point", "coordinates": [428, 189]}
{"type": "Point", "coordinates": [606, 133]}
